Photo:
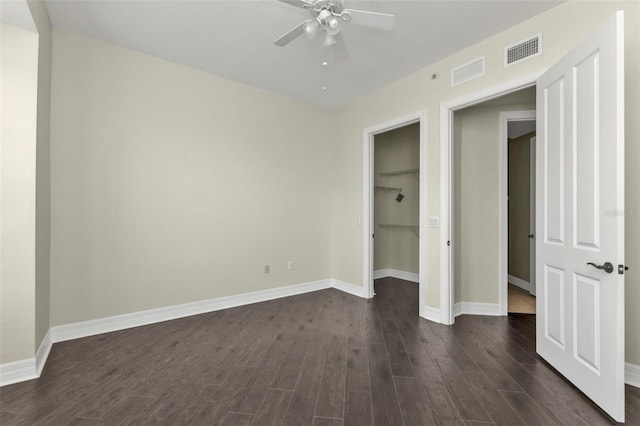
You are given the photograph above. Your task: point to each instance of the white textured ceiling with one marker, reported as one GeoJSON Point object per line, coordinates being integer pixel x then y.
{"type": "Point", "coordinates": [234, 39]}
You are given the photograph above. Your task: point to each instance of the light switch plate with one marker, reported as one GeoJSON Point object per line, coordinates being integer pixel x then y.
{"type": "Point", "coordinates": [434, 222]}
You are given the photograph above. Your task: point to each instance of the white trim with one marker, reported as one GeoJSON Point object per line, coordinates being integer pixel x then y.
{"type": "Point", "coordinates": [519, 282]}
{"type": "Point", "coordinates": [503, 204]}
{"type": "Point", "coordinates": [43, 352]}
{"type": "Point", "coordinates": [367, 204]}
{"type": "Point", "coordinates": [26, 369]}
{"type": "Point", "coordinates": [396, 273]}
{"type": "Point", "coordinates": [632, 374]}
{"type": "Point", "coordinates": [350, 288]}
{"type": "Point", "coordinates": [77, 330]}
{"type": "Point", "coordinates": [532, 215]}
{"type": "Point", "coordinates": [18, 371]}
{"type": "Point", "coordinates": [432, 314]}
{"type": "Point", "coordinates": [446, 201]}
{"type": "Point", "coordinates": [476, 308]}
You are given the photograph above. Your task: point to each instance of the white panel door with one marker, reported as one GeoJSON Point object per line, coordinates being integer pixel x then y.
{"type": "Point", "coordinates": [580, 220]}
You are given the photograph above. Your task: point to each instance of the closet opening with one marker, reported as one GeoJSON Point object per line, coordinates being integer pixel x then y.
{"type": "Point", "coordinates": [396, 206]}
{"type": "Point", "coordinates": [394, 211]}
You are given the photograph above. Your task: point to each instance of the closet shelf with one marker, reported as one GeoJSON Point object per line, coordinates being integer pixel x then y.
{"type": "Point", "coordinates": [414, 228]}
{"type": "Point", "coordinates": [400, 172]}
{"type": "Point", "coordinates": [388, 188]}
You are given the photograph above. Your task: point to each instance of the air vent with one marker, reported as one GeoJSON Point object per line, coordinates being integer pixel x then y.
{"type": "Point", "coordinates": [467, 72]}
{"type": "Point", "coordinates": [523, 50]}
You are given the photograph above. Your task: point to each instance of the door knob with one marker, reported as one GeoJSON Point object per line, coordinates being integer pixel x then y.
{"type": "Point", "coordinates": [608, 266]}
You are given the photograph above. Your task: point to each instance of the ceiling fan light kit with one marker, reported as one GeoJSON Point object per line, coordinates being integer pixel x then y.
{"type": "Point", "coordinates": [328, 16]}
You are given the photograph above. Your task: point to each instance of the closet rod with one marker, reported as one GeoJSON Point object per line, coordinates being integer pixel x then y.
{"type": "Point", "coordinates": [388, 188]}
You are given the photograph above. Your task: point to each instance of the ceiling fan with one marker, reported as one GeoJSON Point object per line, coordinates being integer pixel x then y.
{"type": "Point", "coordinates": [328, 16]}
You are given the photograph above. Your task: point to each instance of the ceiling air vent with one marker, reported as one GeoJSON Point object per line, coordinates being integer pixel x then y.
{"type": "Point", "coordinates": [523, 50]}
{"type": "Point", "coordinates": [468, 71]}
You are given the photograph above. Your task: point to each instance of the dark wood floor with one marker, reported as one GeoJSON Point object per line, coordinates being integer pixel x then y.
{"type": "Point", "coordinates": [324, 358]}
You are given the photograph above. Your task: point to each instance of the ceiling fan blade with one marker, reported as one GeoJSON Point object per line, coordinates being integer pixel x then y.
{"type": "Point", "coordinates": [291, 35]}
{"type": "Point", "coordinates": [298, 3]}
{"type": "Point", "coordinates": [340, 51]}
{"type": "Point", "coordinates": [381, 21]}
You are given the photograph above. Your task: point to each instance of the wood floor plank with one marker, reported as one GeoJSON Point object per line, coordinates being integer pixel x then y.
{"type": "Point", "coordinates": [438, 397]}
{"type": "Point", "coordinates": [464, 398]}
{"type": "Point", "coordinates": [238, 419]}
{"type": "Point", "coordinates": [129, 410]}
{"type": "Point", "coordinates": [212, 413]}
{"type": "Point", "coordinates": [386, 410]}
{"type": "Point", "coordinates": [273, 408]}
{"type": "Point", "coordinates": [398, 356]}
{"type": "Point", "coordinates": [332, 390]}
{"type": "Point", "coordinates": [324, 421]}
{"type": "Point", "coordinates": [492, 400]}
{"type": "Point", "coordinates": [82, 421]}
{"type": "Point", "coordinates": [413, 404]}
{"type": "Point", "coordinates": [260, 384]}
{"type": "Point", "coordinates": [527, 408]}
{"type": "Point", "coordinates": [303, 401]}
{"type": "Point", "coordinates": [358, 388]}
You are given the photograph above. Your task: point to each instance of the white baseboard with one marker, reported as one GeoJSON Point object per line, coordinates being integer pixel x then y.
{"type": "Point", "coordinates": [17, 371]}
{"type": "Point", "coordinates": [519, 282]}
{"type": "Point", "coordinates": [43, 352]}
{"type": "Point", "coordinates": [474, 308]}
{"type": "Point", "coordinates": [632, 374]}
{"type": "Point", "coordinates": [26, 369]}
{"type": "Point", "coordinates": [432, 314]}
{"type": "Point", "coordinates": [396, 273]}
{"type": "Point", "coordinates": [77, 330]}
{"type": "Point", "coordinates": [349, 288]}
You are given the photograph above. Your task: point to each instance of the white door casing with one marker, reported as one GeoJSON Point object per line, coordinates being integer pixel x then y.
{"type": "Point", "coordinates": [579, 206]}
{"type": "Point", "coordinates": [532, 216]}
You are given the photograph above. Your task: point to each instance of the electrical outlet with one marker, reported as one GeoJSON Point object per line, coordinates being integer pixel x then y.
{"type": "Point", "coordinates": [290, 265]}
{"type": "Point", "coordinates": [434, 222]}
{"type": "Point", "coordinates": [267, 269]}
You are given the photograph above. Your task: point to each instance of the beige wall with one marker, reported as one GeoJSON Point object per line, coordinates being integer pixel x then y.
{"type": "Point", "coordinates": [476, 177]}
{"type": "Point", "coordinates": [561, 31]}
{"type": "Point", "coordinates": [520, 206]}
{"type": "Point", "coordinates": [170, 185]}
{"type": "Point", "coordinates": [43, 181]}
{"type": "Point", "coordinates": [19, 79]}
{"type": "Point", "coordinates": [397, 248]}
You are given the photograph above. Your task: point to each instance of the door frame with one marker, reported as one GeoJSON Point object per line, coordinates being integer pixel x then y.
{"type": "Point", "coordinates": [532, 214]}
{"type": "Point", "coordinates": [503, 206]}
{"type": "Point", "coordinates": [447, 110]}
{"type": "Point", "coordinates": [368, 199]}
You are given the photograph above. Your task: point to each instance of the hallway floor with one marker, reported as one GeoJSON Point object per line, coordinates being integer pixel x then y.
{"type": "Point", "coordinates": [520, 301]}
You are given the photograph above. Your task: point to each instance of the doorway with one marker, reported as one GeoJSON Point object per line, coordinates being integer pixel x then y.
{"type": "Point", "coordinates": [370, 228]}
{"type": "Point", "coordinates": [521, 137]}
{"type": "Point", "coordinates": [396, 204]}
{"type": "Point", "coordinates": [481, 236]}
